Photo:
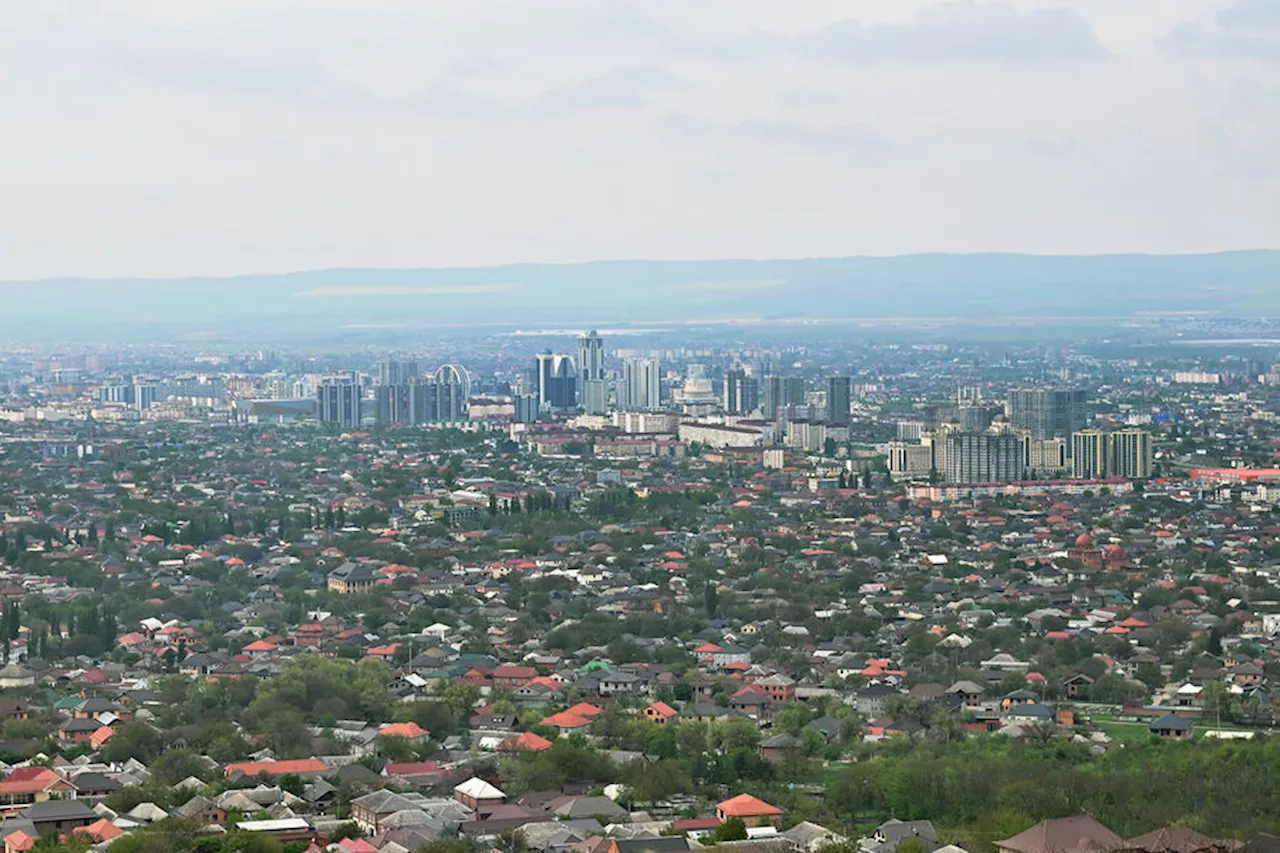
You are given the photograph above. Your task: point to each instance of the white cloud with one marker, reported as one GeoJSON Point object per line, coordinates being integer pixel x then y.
{"type": "Point", "coordinates": [152, 137]}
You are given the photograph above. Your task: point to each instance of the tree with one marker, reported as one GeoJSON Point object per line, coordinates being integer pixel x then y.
{"type": "Point", "coordinates": [791, 718]}
{"type": "Point", "coordinates": [177, 764]}
{"type": "Point", "coordinates": [733, 829]}
{"type": "Point", "coordinates": [134, 740]}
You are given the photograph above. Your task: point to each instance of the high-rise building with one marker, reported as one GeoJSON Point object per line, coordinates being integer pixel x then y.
{"type": "Point", "coordinates": [910, 430]}
{"type": "Point", "coordinates": [590, 356]}
{"type": "Point", "coordinates": [979, 457]}
{"type": "Point", "coordinates": [1131, 453]}
{"type": "Point", "coordinates": [793, 391]}
{"type": "Point", "coordinates": [527, 408]}
{"type": "Point", "coordinates": [641, 384]}
{"type": "Point", "coordinates": [1046, 458]}
{"type": "Point", "coordinates": [591, 382]}
{"type": "Point", "coordinates": [116, 393]}
{"type": "Point", "coordinates": [393, 372]}
{"type": "Point", "coordinates": [145, 396]}
{"type": "Point", "coordinates": [439, 398]}
{"type": "Point", "coordinates": [1089, 454]}
{"type": "Point", "coordinates": [341, 400]}
{"type": "Point", "coordinates": [741, 392]}
{"type": "Point", "coordinates": [771, 395]}
{"type": "Point", "coordinates": [975, 417]}
{"type": "Point", "coordinates": [399, 403]}
{"type": "Point", "coordinates": [910, 459]}
{"type": "Point", "coordinates": [1047, 412]}
{"type": "Point", "coordinates": [838, 400]}
{"type": "Point", "coordinates": [1124, 453]}
{"type": "Point", "coordinates": [557, 381]}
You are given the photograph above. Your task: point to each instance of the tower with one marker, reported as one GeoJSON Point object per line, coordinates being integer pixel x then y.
{"type": "Point", "coordinates": [341, 400]}
{"type": "Point", "coordinates": [1047, 412]}
{"type": "Point", "coordinates": [741, 392]}
{"type": "Point", "coordinates": [557, 381]}
{"type": "Point", "coordinates": [641, 384]}
{"type": "Point", "coordinates": [1130, 452]}
{"type": "Point", "coordinates": [1089, 456]}
{"type": "Point", "coordinates": [452, 389]}
{"type": "Point", "coordinates": [838, 400]}
{"type": "Point", "coordinates": [591, 382]}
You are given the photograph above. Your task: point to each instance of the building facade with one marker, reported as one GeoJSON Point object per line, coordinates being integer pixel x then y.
{"type": "Point", "coordinates": [838, 400]}
{"type": "Point", "coordinates": [594, 390]}
{"type": "Point", "coordinates": [557, 381]}
{"type": "Point", "coordinates": [741, 393]}
{"type": "Point", "coordinates": [341, 401]}
{"type": "Point", "coordinates": [984, 458]}
{"type": "Point", "coordinates": [641, 384]}
{"type": "Point", "coordinates": [1047, 412]}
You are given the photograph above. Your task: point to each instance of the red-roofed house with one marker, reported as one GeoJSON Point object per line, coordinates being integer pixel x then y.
{"type": "Point", "coordinates": [28, 785]}
{"type": "Point", "coordinates": [100, 831]}
{"type": "Point", "coordinates": [750, 810]}
{"type": "Point", "coordinates": [660, 713]}
{"type": "Point", "coordinates": [567, 722]}
{"type": "Point", "coordinates": [408, 731]}
{"type": "Point", "coordinates": [260, 649]}
{"type": "Point", "coordinates": [511, 676]}
{"type": "Point", "coordinates": [305, 767]}
{"type": "Point", "coordinates": [525, 742]}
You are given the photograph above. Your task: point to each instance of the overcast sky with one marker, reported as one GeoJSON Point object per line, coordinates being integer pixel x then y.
{"type": "Point", "coordinates": [175, 137]}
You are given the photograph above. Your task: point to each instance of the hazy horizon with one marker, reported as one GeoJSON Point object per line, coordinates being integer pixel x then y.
{"type": "Point", "coordinates": [210, 139]}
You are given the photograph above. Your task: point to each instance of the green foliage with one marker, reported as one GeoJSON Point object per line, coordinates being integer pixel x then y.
{"type": "Point", "coordinates": [134, 740]}
{"type": "Point", "coordinates": [1219, 787]}
{"type": "Point", "coordinates": [733, 829]}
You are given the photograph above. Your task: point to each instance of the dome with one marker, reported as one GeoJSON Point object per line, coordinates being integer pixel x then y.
{"type": "Point", "coordinates": [1083, 541]}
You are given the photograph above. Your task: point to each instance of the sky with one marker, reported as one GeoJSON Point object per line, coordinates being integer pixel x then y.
{"type": "Point", "coordinates": [215, 137]}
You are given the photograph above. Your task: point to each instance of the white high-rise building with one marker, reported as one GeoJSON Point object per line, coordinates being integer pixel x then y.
{"type": "Point", "coordinates": [592, 390]}
{"type": "Point", "coordinates": [641, 386]}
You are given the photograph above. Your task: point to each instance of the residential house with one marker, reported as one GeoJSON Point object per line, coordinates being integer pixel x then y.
{"type": "Point", "coordinates": [1062, 835]}
{"type": "Point", "coordinates": [476, 793]}
{"type": "Point", "coordinates": [27, 785]}
{"type": "Point", "coordinates": [1172, 726]}
{"type": "Point", "coordinates": [750, 810]}
{"type": "Point", "coordinates": [352, 579]}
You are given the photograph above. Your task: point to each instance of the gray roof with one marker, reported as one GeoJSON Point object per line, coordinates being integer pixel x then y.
{"type": "Point", "coordinates": [58, 810]}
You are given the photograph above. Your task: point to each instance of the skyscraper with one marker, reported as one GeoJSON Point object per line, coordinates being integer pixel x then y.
{"type": "Point", "coordinates": [591, 382]}
{"type": "Point", "coordinates": [590, 356]}
{"type": "Point", "coordinates": [641, 384]}
{"type": "Point", "coordinates": [398, 403]}
{"type": "Point", "coordinates": [838, 400]}
{"type": "Point", "coordinates": [771, 395]}
{"type": "Point", "coordinates": [1047, 412]}
{"type": "Point", "coordinates": [741, 392]}
{"type": "Point", "coordinates": [557, 381]}
{"type": "Point", "coordinates": [980, 457]}
{"type": "Point", "coordinates": [452, 387]}
{"type": "Point", "coordinates": [393, 372]}
{"type": "Point", "coordinates": [1089, 454]}
{"type": "Point", "coordinates": [341, 400]}
{"type": "Point", "coordinates": [145, 395]}
{"type": "Point", "coordinates": [415, 399]}
{"type": "Point", "coordinates": [1131, 455]}
{"type": "Point", "coordinates": [1124, 453]}
{"type": "Point", "coordinates": [793, 391]}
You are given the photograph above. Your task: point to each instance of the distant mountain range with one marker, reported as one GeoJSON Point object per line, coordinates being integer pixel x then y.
{"type": "Point", "coordinates": [1245, 283]}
